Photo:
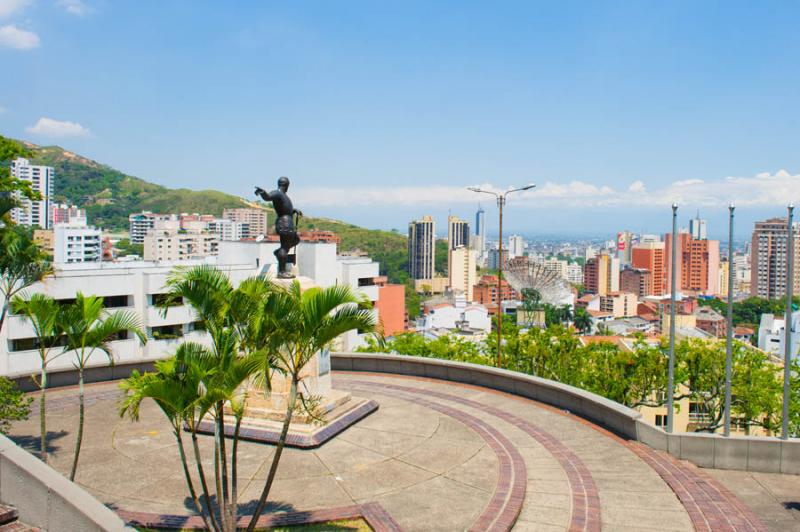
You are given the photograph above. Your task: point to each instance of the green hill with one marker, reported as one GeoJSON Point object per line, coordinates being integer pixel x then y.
{"type": "Point", "coordinates": [109, 195]}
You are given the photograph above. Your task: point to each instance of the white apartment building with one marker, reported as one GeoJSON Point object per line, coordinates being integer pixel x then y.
{"type": "Point", "coordinates": [462, 274]}
{"type": "Point", "coordinates": [139, 287]}
{"type": "Point", "coordinates": [61, 213]}
{"type": "Point", "coordinates": [76, 242]}
{"type": "Point", "coordinates": [454, 316]}
{"type": "Point", "coordinates": [772, 334]}
{"type": "Point", "coordinates": [516, 246]}
{"type": "Point", "coordinates": [172, 245]}
{"type": "Point", "coordinates": [228, 229]}
{"type": "Point", "coordinates": [33, 213]}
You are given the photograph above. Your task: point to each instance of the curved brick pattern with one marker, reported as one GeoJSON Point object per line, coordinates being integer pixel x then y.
{"type": "Point", "coordinates": [709, 504]}
{"type": "Point", "coordinates": [585, 499]}
{"type": "Point", "coordinates": [506, 502]}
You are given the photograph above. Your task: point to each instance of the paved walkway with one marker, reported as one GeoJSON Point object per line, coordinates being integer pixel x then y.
{"type": "Point", "coordinates": [435, 456]}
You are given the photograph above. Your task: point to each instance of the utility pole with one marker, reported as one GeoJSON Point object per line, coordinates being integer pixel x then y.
{"type": "Point", "coordinates": [729, 322]}
{"type": "Point", "coordinates": [787, 356]}
{"type": "Point", "coordinates": [673, 292]}
{"type": "Point", "coordinates": [501, 201]}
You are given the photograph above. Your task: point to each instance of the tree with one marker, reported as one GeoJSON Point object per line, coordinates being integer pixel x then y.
{"type": "Point", "coordinates": [22, 263]}
{"type": "Point", "coordinates": [583, 320]}
{"type": "Point", "coordinates": [10, 188]}
{"type": "Point", "coordinates": [43, 313]}
{"type": "Point", "coordinates": [14, 405]}
{"type": "Point", "coordinates": [88, 328]}
{"type": "Point", "coordinates": [757, 389]}
{"type": "Point", "coordinates": [303, 323]}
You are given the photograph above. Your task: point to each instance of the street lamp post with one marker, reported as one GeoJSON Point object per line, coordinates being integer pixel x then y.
{"type": "Point", "coordinates": [787, 356]}
{"type": "Point", "coordinates": [673, 292]}
{"type": "Point", "coordinates": [729, 340]}
{"type": "Point", "coordinates": [501, 201]}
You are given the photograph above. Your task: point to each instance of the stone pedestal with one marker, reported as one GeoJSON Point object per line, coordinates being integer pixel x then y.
{"type": "Point", "coordinates": [265, 411]}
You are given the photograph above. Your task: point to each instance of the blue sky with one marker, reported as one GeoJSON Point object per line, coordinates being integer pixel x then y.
{"type": "Point", "coordinates": [384, 111]}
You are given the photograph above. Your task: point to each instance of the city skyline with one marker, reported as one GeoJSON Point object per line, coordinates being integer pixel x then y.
{"type": "Point", "coordinates": [596, 104]}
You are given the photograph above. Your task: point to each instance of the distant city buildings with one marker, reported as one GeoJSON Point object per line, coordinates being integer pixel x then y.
{"type": "Point", "coordinates": [697, 228]}
{"type": "Point", "coordinates": [462, 271]}
{"type": "Point", "coordinates": [479, 239]}
{"type": "Point", "coordinates": [421, 248]}
{"type": "Point", "coordinates": [33, 213]}
{"type": "Point", "coordinates": [772, 334]}
{"type": "Point", "coordinates": [637, 281]}
{"type": "Point", "coordinates": [625, 248]}
{"type": "Point", "coordinates": [62, 213]}
{"type": "Point", "coordinates": [140, 223]}
{"type": "Point", "coordinates": [649, 255]}
{"type": "Point", "coordinates": [768, 258]}
{"type": "Point", "coordinates": [255, 220]}
{"type": "Point", "coordinates": [227, 229]}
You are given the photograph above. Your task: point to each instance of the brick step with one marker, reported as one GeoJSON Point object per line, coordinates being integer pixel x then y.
{"type": "Point", "coordinates": [16, 526]}
{"type": "Point", "coordinates": [8, 514]}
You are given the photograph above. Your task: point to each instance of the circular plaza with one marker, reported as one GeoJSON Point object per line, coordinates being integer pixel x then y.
{"type": "Point", "coordinates": [436, 455]}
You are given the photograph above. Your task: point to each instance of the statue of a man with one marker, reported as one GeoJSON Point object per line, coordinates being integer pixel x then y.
{"type": "Point", "coordinates": [284, 225]}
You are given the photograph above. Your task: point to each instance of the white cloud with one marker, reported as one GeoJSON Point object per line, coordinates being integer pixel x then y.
{"type": "Point", "coordinates": [75, 7]}
{"type": "Point", "coordinates": [47, 127]}
{"type": "Point", "coordinates": [13, 37]}
{"type": "Point", "coordinates": [764, 189]}
{"type": "Point", "coordinates": [9, 7]}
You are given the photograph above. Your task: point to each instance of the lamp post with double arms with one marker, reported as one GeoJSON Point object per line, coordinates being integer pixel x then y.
{"type": "Point", "coordinates": [501, 201]}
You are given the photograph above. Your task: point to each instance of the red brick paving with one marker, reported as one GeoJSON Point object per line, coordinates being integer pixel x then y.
{"type": "Point", "coordinates": [585, 498]}
{"type": "Point", "coordinates": [506, 503]}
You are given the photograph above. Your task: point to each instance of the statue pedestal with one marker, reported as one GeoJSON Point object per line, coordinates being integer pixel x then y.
{"type": "Point", "coordinates": [264, 411]}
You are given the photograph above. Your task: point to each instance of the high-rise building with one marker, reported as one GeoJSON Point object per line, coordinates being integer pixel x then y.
{"type": "Point", "coordinates": [637, 281]}
{"type": "Point", "coordinates": [624, 247]}
{"type": "Point", "coordinates": [256, 220]}
{"type": "Point", "coordinates": [480, 224]}
{"type": "Point", "coordinates": [601, 274]}
{"type": "Point", "coordinates": [768, 258]}
{"type": "Point", "coordinates": [457, 232]}
{"type": "Point", "coordinates": [421, 248]}
{"type": "Point", "coordinates": [33, 213]}
{"type": "Point", "coordinates": [516, 246]}
{"type": "Point", "coordinates": [462, 271]}
{"type": "Point", "coordinates": [697, 263]}
{"type": "Point", "coordinates": [76, 242]}
{"type": "Point", "coordinates": [650, 256]}
{"type": "Point", "coordinates": [61, 213]}
{"type": "Point", "coordinates": [697, 228]}
{"type": "Point", "coordinates": [723, 278]}
{"type": "Point", "coordinates": [494, 258]}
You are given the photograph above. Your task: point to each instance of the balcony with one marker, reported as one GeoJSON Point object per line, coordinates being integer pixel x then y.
{"type": "Point", "coordinates": [175, 316]}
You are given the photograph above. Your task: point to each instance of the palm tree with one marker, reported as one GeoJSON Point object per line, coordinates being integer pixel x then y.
{"type": "Point", "coordinates": [42, 312]}
{"type": "Point", "coordinates": [22, 263]}
{"type": "Point", "coordinates": [233, 319]}
{"type": "Point", "coordinates": [302, 323]}
{"type": "Point", "coordinates": [88, 328]}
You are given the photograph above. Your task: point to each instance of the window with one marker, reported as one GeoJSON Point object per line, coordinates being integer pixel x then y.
{"type": "Point", "coordinates": [661, 420]}
{"type": "Point", "coordinates": [115, 301]}
{"type": "Point", "coordinates": [166, 332]}
{"type": "Point", "coordinates": [160, 300]}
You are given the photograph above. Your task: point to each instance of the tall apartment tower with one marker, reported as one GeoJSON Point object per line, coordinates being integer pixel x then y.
{"type": "Point", "coordinates": [516, 246]}
{"type": "Point", "coordinates": [421, 248]}
{"type": "Point", "coordinates": [457, 232]}
{"type": "Point", "coordinates": [650, 256]}
{"type": "Point", "coordinates": [697, 262]}
{"type": "Point", "coordinates": [76, 242]}
{"type": "Point", "coordinates": [625, 247]}
{"type": "Point", "coordinates": [33, 213]}
{"type": "Point", "coordinates": [768, 259]}
{"type": "Point", "coordinates": [256, 220]}
{"type": "Point", "coordinates": [601, 274]}
{"type": "Point", "coordinates": [461, 273]}
{"type": "Point", "coordinates": [697, 228]}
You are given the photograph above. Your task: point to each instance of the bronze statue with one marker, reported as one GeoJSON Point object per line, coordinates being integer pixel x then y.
{"type": "Point", "coordinates": [284, 225]}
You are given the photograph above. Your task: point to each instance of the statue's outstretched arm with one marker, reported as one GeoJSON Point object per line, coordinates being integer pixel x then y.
{"type": "Point", "coordinates": [263, 193]}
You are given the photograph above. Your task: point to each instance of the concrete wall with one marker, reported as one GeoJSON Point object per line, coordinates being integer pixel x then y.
{"type": "Point", "coordinates": [762, 454]}
{"type": "Point", "coordinates": [47, 500]}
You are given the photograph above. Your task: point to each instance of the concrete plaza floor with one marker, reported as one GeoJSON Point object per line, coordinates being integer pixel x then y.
{"type": "Point", "coordinates": [435, 456]}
